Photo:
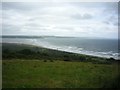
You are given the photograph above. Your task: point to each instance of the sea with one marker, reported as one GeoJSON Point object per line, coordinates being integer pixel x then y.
{"type": "Point", "coordinates": [90, 46]}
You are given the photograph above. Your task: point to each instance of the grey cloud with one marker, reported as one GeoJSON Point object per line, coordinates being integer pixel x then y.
{"type": "Point", "coordinates": [9, 29]}
{"type": "Point", "coordinates": [14, 6]}
{"type": "Point", "coordinates": [79, 16]}
{"type": "Point", "coordinates": [33, 24]}
{"type": "Point", "coordinates": [58, 19]}
{"type": "Point", "coordinates": [27, 6]}
{"type": "Point", "coordinates": [116, 23]}
{"type": "Point", "coordinates": [111, 8]}
{"type": "Point", "coordinates": [106, 22]}
{"type": "Point", "coordinates": [64, 27]}
{"type": "Point", "coordinates": [112, 19]}
{"type": "Point", "coordinates": [22, 6]}
{"type": "Point", "coordinates": [97, 5]}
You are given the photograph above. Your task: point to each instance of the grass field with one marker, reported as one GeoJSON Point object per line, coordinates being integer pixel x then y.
{"type": "Point", "coordinates": [54, 70]}
{"type": "Point", "coordinates": [57, 74]}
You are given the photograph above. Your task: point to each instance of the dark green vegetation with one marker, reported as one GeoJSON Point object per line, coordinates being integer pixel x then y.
{"type": "Point", "coordinates": [26, 66]}
{"type": "Point", "coordinates": [22, 51]}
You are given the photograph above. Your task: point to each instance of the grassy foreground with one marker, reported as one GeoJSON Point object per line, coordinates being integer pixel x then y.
{"type": "Point", "coordinates": [61, 74]}
{"type": "Point", "coordinates": [32, 67]}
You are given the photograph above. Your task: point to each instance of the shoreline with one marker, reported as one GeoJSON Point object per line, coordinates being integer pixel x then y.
{"type": "Point", "coordinates": [35, 45]}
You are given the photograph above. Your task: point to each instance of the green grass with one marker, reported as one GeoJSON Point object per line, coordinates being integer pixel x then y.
{"type": "Point", "coordinates": [57, 74]}
{"type": "Point", "coordinates": [26, 66]}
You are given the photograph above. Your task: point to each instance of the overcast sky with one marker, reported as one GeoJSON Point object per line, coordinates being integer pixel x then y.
{"type": "Point", "coordinates": [60, 19]}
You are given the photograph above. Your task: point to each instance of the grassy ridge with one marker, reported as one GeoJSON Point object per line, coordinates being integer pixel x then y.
{"type": "Point", "coordinates": [26, 66]}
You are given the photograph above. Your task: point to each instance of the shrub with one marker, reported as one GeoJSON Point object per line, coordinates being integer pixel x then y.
{"type": "Point", "coordinates": [51, 60]}
{"type": "Point", "coordinates": [82, 58]}
{"type": "Point", "coordinates": [66, 60]}
{"type": "Point", "coordinates": [26, 51]}
{"type": "Point", "coordinates": [111, 59]}
{"type": "Point", "coordinates": [45, 60]}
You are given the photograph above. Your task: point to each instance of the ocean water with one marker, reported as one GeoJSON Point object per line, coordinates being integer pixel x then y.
{"type": "Point", "coordinates": [96, 47]}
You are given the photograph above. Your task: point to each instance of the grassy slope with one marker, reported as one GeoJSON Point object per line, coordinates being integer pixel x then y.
{"type": "Point", "coordinates": [36, 73]}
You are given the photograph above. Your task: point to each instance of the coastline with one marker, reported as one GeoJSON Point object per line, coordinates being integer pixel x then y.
{"type": "Point", "coordinates": [85, 48]}
{"type": "Point", "coordinates": [59, 50]}
{"type": "Point", "coordinates": [54, 51]}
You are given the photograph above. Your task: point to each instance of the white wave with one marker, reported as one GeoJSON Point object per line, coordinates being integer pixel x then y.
{"type": "Point", "coordinates": [69, 48]}
{"type": "Point", "coordinates": [74, 49]}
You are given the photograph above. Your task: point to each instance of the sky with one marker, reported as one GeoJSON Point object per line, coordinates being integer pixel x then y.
{"type": "Point", "coordinates": [76, 19]}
